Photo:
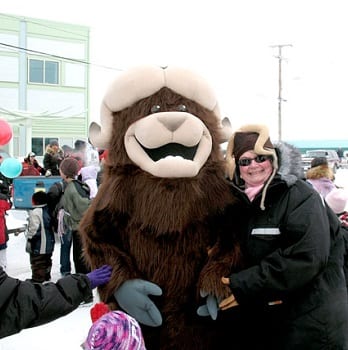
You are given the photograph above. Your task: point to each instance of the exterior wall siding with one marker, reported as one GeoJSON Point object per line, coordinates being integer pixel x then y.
{"type": "Point", "coordinates": [37, 110]}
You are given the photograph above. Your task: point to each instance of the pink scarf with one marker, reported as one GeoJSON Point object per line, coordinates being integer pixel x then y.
{"type": "Point", "coordinates": [252, 191]}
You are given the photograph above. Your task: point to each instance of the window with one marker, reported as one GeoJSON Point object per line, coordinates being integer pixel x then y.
{"type": "Point", "coordinates": [43, 71]}
{"type": "Point", "coordinates": [37, 146]}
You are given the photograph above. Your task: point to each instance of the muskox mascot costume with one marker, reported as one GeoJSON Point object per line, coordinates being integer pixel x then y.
{"type": "Point", "coordinates": [163, 182]}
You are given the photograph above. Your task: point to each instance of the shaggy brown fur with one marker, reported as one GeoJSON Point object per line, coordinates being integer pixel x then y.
{"type": "Point", "coordinates": [158, 230]}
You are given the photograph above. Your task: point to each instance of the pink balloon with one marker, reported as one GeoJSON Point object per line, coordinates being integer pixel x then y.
{"type": "Point", "coordinates": [5, 132]}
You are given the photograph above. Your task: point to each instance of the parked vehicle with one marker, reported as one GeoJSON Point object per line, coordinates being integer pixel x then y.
{"type": "Point", "coordinates": [332, 157]}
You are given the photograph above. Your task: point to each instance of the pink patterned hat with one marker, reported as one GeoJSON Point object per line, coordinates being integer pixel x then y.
{"type": "Point", "coordinates": [115, 331]}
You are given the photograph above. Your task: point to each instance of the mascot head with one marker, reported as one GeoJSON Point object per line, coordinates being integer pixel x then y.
{"type": "Point", "coordinates": [169, 120]}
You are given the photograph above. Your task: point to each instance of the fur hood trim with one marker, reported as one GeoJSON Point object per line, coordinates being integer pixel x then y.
{"type": "Point", "coordinates": [319, 172]}
{"type": "Point", "coordinates": [290, 165]}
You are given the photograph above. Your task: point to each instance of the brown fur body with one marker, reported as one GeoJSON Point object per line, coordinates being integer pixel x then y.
{"type": "Point", "coordinates": [157, 229]}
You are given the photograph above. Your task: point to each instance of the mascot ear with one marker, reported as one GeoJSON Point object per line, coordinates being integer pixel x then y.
{"type": "Point", "coordinates": [93, 133]}
{"type": "Point", "coordinates": [226, 130]}
{"type": "Point", "coordinates": [98, 136]}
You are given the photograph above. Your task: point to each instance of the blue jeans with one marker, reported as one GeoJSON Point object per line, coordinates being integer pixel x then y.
{"type": "Point", "coordinates": [65, 248]}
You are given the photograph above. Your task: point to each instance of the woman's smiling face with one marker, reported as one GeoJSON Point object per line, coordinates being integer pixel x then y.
{"type": "Point", "coordinates": [258, 171]}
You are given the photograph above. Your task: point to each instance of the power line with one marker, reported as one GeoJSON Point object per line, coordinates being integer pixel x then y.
{"type": "Point", "coordinates": [57, 56]}
{"type": "Point", "coordinates": [30, 20]}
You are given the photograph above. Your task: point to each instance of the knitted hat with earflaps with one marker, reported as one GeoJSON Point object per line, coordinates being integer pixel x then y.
{"type": "Point", "coordinates": [113, 330]}
{"type": "Point", "coordinates": [251, 137]}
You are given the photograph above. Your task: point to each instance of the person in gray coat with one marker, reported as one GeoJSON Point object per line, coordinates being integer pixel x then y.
{"type": "Point", "coordinates": [285, 287]}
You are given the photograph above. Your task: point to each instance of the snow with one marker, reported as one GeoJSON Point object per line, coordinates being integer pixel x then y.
{"type": "Point", "coordinates": [67, 332]}
{"type": "Point", "coordinates": [70, 331]}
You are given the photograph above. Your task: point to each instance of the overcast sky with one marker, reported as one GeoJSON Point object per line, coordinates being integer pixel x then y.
{"type": "Point", "coordinates": [230, 43]}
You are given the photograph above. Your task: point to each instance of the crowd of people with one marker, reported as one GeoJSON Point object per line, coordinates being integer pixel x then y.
{"type": "Point", "coordinates": [49, 300]}
{"type": "Point", "coordinates": [54, 155]}
{"type": "Point", "coordinates": [56, 214]}
{"type": "Point", "coordinates": [72, 165]}
{"type": "Point", "coordinates": [288, 290]}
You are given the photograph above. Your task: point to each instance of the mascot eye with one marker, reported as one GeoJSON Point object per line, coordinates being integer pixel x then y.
{"type": "Point", "coordinates": [182, 108]}
{"type": "Point", "coordinates": [155, 108]}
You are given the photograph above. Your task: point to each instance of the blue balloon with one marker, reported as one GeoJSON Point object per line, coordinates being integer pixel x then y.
{"type": "Point", "coordinates": [11, 167]}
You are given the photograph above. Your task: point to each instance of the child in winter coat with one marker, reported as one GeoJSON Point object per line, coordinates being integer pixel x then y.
{"type": "Point", "coordinates": [40, 238]}
{"type": "Point", "coordinates": [5, 205]}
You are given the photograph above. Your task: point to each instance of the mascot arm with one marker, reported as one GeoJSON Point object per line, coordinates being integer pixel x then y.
{"type": "Point", "coordinates": [210, 285]}
{"type": "Point", "coordinates": [100, 253]}
{"type": "Point", "coordinates": [209, 282]}
{"type": "Point", "coordinates": [133, 297]}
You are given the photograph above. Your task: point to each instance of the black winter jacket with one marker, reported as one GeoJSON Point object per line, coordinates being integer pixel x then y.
{"type": "Point", "coordinates": [291, 292]}
{"type": "Point", "coordinates": [24, 304]}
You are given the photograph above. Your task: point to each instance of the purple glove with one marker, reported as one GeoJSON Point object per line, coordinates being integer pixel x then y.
{"type": "Point", "coordinates": [100, 276]}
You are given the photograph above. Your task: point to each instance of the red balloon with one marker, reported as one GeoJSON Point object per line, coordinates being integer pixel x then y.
{"type": "Point", "coordinates": [6, 132]}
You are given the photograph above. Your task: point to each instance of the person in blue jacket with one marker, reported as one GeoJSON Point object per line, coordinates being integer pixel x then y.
{"type": "Point", "coordinates": [285, 288]}
{"type": "Point", "coordinates": [24, 304]}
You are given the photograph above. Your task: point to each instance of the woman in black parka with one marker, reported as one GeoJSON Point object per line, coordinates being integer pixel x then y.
{"type": "Point", "coordinates": [289, 290]}
{"type": "Point", "coordinates": [24, 304]}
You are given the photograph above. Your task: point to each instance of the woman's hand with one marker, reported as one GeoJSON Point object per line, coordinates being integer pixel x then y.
{"type": "Point", "coordinates": [229, 301]}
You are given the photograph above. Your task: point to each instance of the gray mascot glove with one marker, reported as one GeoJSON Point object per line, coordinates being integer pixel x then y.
{"type": "Point", "coordinates": [132, 296]}
{"type": "Point", "coordinates": [211, 306]}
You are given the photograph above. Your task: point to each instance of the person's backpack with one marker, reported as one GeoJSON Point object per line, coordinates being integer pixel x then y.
{"type": "Point", "coordinates": [54, 202]}
{"type": "Point", "coordinates": [82, 188]}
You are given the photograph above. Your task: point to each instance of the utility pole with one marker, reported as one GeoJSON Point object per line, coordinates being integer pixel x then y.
{"type": "Point", "coordinates": [280, 99]}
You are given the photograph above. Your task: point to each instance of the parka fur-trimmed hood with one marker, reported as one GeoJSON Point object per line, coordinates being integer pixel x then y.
{"type": "Point", "coordinates": [50, 150]}
{"type": "Point", "coordinates": [290, 165]}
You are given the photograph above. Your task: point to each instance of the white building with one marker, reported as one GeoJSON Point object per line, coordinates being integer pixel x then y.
{"type": "Point", "coordinates": [44, 79]}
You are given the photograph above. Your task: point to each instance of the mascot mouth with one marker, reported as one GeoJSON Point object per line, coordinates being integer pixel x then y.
{"type": "Point", "coordinates": [169, 144]}
{"type": "Point", "coordinates": [170, 149]}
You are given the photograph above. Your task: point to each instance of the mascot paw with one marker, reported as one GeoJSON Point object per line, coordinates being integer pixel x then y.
{"type": "Point", "coordinates": [211, 306]}
{"type": "Point", "coordinates": [132, 296]}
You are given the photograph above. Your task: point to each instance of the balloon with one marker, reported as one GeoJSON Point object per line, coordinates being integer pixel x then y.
{"type": "Point", "coordinates": [5, 132]}
{"type": "Point", "coordinates": [11, 167]}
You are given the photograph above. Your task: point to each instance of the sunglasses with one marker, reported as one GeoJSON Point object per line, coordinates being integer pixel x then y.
{"type": "Point", "coordinates": [258, 159]}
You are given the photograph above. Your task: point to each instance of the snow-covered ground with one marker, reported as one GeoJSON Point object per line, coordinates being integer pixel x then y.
{"type": "Point", "coordinates": [70, 331]}
{"type": "Point", "coordinates": [67, 332]}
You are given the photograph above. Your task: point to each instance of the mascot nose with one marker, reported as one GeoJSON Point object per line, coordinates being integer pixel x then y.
{"type": "Point", "coordinates": [172, 121]}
